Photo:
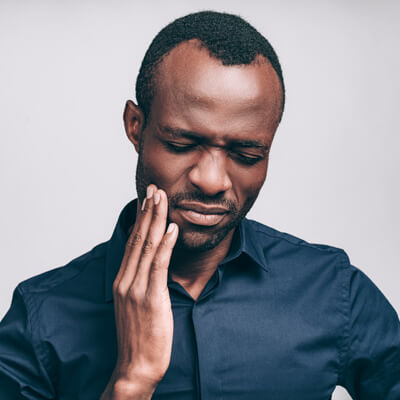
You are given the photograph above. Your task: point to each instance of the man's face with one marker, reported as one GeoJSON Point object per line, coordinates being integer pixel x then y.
{"type": "Point", "coordinates": [206, 141]}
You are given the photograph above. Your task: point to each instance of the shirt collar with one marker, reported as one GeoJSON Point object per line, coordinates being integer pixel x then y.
{"type": "Point", "coordinates": [251, 243]}
{"type": "Point", "coordinates": [245, 241]}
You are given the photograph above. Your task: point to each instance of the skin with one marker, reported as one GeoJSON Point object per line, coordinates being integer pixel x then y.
{"type": "Point", "coordinates": [206, 142]}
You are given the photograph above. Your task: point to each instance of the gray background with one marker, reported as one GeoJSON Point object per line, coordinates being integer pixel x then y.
{"type": "Point", "coordinates": [67, 168]}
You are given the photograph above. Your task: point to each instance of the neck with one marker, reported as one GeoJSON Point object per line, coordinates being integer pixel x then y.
{"type": "Point", "coordinates": [195, 268]}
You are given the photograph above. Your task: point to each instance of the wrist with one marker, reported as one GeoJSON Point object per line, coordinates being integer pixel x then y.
{"type": "Point", "coordinates": [128, 389]}
{"type": "Point", "coordinates": [133, 390]}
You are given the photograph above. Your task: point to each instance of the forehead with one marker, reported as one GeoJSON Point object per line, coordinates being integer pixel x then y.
{"type": "Point", "coordinates": [194, 88]}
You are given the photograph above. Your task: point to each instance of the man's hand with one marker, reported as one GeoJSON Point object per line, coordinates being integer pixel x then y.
{"type": "Point", "coordinates": [142, 304]}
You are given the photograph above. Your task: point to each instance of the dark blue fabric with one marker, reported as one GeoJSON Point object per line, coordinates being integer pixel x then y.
{"type": "Point", "coordinates": [280, 319]}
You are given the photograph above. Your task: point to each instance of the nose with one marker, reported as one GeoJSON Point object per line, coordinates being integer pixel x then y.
{"type": "Point", "coordinates": [210, 174]}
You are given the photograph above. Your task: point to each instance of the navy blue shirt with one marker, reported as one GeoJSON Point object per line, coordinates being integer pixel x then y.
{"type": "Point", "coordinates": [279, 319]}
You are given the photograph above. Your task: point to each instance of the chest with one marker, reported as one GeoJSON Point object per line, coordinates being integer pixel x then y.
{"type": "Point", "coordinates": [235, 344]}
{"type": "Point", "coordinates": [226, 351]}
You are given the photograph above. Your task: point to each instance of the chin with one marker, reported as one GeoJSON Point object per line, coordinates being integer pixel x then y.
{"type": "Point", "coordinates": [198, 242]}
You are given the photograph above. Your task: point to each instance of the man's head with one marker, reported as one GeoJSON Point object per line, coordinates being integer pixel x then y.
{"type": "Point", "coordinates": [210, 97]}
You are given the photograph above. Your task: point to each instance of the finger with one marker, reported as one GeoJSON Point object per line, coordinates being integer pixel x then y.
{"type": "Point", "coordinates": [159, 269]}
{"type": "Point", "coordinates": [153, 239]}
{"type": "Point", "coordinates": [135, 241]}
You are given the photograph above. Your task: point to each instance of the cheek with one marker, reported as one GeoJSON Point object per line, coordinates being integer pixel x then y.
{"type": "Point", "coordinates": [247, 182]}
{"type": "Point", "coordinates": [164, 169]}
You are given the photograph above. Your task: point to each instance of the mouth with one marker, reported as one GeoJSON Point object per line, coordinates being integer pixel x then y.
{"type": "Point", "coordinates": [200, 214]}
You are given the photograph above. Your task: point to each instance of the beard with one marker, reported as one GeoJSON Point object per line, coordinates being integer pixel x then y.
{"type": "Point", "coordinates": [200, 238]}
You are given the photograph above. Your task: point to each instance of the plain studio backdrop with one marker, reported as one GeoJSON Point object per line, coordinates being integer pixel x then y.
{"type": "Point", "coordinates": [67, 168]}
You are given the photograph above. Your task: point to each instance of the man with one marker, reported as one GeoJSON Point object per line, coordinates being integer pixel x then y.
{"type": "Point", "coordinates": [189, 299]}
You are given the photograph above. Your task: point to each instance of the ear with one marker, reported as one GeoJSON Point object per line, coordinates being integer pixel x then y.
{"type": "Point", "coordinates": [133, 122]}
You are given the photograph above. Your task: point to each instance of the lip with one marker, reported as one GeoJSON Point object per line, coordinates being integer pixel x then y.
{"type": "Point", "coordinates": [199, 214]}
{"type": "Point", "coordinates": [202, 208]}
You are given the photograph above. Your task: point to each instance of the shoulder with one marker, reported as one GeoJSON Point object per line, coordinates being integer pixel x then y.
{"type": "Point", "coordinates": [278, 244]}
{"type": "Point", "coordinates": [62, 279]}
{"type": "Point", "coordinates": [295, 259]}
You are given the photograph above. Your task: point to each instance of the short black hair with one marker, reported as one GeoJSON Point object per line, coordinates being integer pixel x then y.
{"type": "Point", "coordinates": [228, 38]}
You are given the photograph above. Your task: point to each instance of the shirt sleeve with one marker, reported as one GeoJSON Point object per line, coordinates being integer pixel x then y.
{"type": "Point", "coordinates": [372, 358]}
{"type": "Point", "coordinates": [21, 373]}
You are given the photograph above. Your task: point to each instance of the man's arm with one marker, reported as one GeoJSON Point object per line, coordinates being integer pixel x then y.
{"type": "Point", "coordinates": [143, 312]}
{"type": "Point", "coordinates": [372, 359]}
{"type": "Point", "coordinates": [143, 317]}
{"type": "Point", "coordinates": [22, 375]}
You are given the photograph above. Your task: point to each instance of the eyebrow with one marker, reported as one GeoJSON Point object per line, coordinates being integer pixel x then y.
{"type": "Point", "coordinates": [182, 133]}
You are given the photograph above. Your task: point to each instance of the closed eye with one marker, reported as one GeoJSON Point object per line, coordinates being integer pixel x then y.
{"type": "Point", "coordinates": [246, 158]}
{"type": "Point", "coordinates": [180, 147]}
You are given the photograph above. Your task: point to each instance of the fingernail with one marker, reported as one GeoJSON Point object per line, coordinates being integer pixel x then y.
{"type": "Point", "coordinates": [157, 197]}
{"type": "Point", "coordinates": [171, 227]}
{"type": "Point", "coordinates": [150, 191]}
{"type": "Point", "coordinates": [144, 203]}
